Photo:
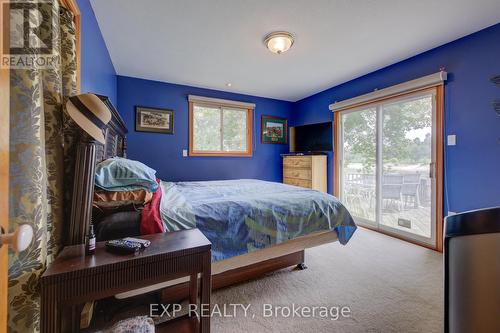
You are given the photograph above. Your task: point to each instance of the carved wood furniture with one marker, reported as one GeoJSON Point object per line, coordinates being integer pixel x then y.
{"type": "Point", "coordinates": [89, 153]}
{"type": "Point", "coordinates": [307, 171]}
{"type": "Point", "coordinates": [74, 278]}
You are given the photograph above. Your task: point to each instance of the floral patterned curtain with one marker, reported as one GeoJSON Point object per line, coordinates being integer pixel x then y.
{"type": "Point", "coordinates": [37, 170]}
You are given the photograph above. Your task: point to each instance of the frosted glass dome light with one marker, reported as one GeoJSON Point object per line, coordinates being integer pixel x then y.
{"type": "Point", "coordinates": [279, 41]}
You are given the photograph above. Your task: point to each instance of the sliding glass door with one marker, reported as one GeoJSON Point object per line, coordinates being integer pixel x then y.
{"type": "Point", "coordinates": [387, 158]}
{"type": "Point", "coordinates": [358, 163]}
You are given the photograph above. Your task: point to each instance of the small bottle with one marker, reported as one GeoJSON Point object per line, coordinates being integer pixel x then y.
{"type": "Point", "coordinates": [90, 248]}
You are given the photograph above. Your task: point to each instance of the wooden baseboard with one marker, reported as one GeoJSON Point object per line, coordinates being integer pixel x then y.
{"type": "Point", "coordinates": [181, 291]}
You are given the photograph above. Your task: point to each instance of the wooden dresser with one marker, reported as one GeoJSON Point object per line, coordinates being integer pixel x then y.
{"type": "Point", "coordinates": [306, 171]}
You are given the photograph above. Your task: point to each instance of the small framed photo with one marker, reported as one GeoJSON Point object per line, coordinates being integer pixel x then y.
{"type": "Point", "coordinates": [274, 130]}
{"type": "Point", "coordinates": [154, 120]}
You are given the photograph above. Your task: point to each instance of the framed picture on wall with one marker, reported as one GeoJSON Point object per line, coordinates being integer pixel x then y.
{"type": "Point", "coordinates": [154, 120]}
{"type": "Point", "coordinates": [274, 130]}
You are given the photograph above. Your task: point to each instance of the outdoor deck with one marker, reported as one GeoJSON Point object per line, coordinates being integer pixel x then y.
{"type": "Point", "coordinates": [419, 217]}
{"type": "Point", "coordinates": [406, 200]}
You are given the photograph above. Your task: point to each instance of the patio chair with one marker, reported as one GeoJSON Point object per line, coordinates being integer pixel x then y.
{"type": "Point", "coordinates": [369, 183]}
{"type": "Point", "coordinates": [411, 189]}
{"type": "Point", "coordinates": [368, 179]}
{"type": "Point", "coordinates": [392, 189]}
{"type": "Point", "coordinates": [354, 199]}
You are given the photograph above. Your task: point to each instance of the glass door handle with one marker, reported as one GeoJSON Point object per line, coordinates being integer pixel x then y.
{"type": "Point", "coordinates": [431, 170]}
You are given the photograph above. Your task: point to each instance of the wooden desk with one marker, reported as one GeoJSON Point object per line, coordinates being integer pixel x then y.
{"type": "Point", "coordinates": [73, 278]}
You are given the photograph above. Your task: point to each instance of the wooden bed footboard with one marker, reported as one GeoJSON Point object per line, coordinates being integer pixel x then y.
{"type": "Point", "coordinates": [180, 291]}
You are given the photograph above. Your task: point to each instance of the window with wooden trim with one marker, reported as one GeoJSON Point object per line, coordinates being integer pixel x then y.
{"type": "Point", "coordinates": [219, 128]}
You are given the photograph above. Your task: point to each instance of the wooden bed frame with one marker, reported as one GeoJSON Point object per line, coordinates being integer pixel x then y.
{"type": "Point", "coordinates": [90, 153]}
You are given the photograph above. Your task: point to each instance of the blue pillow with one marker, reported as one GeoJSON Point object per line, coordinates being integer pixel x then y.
{"type": "Point", "coordinates": [121, 174]}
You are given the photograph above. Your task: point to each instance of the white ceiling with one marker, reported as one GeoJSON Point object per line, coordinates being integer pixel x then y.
{"type": "Point", "coordinates": [210, 43]}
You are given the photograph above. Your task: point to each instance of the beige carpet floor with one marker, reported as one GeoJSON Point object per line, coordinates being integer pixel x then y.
{"type": "Point", "coordinates": [389, 286]}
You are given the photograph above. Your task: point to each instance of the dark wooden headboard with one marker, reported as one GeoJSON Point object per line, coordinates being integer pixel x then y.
{"type": "Point", "coordinates": [116, 131]}
{"type": "Point", "coordinates": [88, 154]}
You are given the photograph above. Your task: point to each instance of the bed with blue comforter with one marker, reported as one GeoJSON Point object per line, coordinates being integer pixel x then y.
{"type": "Point", "coordinates": [241, 216]}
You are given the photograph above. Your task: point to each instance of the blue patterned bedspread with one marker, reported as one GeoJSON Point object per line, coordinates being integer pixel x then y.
{"type": "Point", "coordinates": [240, 216]}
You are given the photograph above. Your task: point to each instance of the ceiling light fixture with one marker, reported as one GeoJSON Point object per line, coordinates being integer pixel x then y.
{"type": "Point", "coordinates": [229, 84]}
{"type": "Point", "coordinates": [279, 41]}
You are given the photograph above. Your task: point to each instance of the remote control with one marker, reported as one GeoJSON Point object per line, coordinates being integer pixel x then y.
{"type": "Point", "coordinates": [144, 243]}
{"type": "Point", "coordinates": [121, 246]}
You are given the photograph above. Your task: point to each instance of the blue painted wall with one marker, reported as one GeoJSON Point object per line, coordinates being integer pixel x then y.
{"type": "Point", "coordinates": [472, 174]}
{"type": "Point", "coordinates": [97, 72]}
{"type": "Point", "coordinates": [164, 152]}
{"type": "Point", "coordinates": [473, 165]}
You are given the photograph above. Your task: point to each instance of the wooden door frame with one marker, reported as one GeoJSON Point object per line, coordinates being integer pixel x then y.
{"type": "Point", "coordinates": [4, 154]}
{"type": "Point", "coordinates": [439, 167]}
{"type": "Point", "coordinates": [4, 190]}
{"type": "Point", "coordinates": [4, 182]}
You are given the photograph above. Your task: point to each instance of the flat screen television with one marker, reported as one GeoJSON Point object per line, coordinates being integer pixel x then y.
{"type": "Point", "coordinates": [311, 138]}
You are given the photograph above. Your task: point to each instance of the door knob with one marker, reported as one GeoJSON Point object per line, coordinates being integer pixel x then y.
{"type": "Point", "coordinates": [20, 239]}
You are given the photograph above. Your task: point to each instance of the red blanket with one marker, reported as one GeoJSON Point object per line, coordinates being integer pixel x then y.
{"type": "Point", "coordinates": [151, 222]}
